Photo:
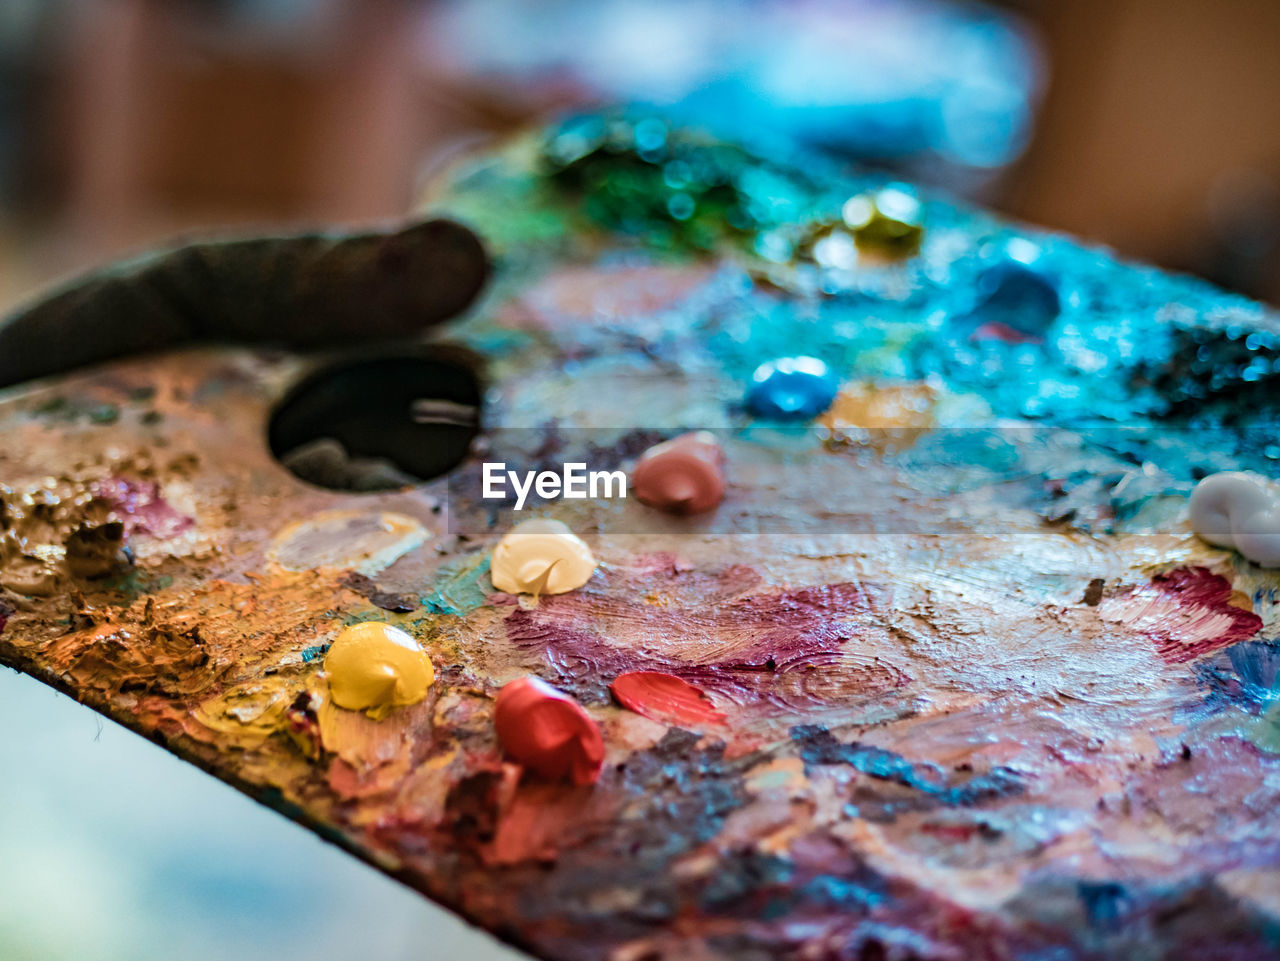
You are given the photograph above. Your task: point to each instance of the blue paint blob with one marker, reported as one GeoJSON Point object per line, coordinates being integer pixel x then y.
{"type": "Point", "coordinates": [1105, 902]}
{"type": "Point", "coordinates": [848, 893]}
{"type": "Point", "coordinates": [1015, 302]}
{"type": "Point", "coordinates": [791, 388]}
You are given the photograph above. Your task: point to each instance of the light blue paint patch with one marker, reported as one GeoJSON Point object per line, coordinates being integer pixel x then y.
{"type": "Point", "coordinates": [856, 340]}
{"type": "Point", "coordinates": [496, 341]}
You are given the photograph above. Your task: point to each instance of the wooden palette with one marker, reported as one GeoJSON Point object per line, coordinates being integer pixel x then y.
{"type": "Point", "coordinates": [984, 694]}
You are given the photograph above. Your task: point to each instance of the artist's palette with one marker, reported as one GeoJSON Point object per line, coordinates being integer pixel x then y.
{"type": "Point", "coordinates": [945, 674]}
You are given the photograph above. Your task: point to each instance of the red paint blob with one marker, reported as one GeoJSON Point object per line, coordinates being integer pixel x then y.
{"type": "Point", "coordinates": [682, 475]}
{"type": "Point", "coordinates": [547, 732]}
{"type": "Point", "coordinates": [666, 698]}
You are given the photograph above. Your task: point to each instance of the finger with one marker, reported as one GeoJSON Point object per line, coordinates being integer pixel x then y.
{"type": "Point", "coordinates": [305, 291]}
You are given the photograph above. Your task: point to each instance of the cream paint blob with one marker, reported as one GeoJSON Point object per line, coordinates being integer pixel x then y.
{"type": "Point", "coordinates": [364, 541]}
{"type": "Point", "coordinates": [541, 557]}
{"type": "Point", "coordinates": [374, 667]}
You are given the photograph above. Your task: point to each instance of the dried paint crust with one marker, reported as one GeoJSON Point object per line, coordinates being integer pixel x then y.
{"type": "Point", "coordinates": [961, 701]}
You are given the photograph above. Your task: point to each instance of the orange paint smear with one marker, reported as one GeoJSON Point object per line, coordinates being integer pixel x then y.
{"type": "Point", "coordinates": [179, 644]}
{"type": "Point", "coordinates": [534, 821]}
{"type": "Point", "coordinates": [665, 698]}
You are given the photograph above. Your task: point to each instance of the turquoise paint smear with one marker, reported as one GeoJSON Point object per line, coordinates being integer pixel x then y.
{"type": "Point", "coordinates": [464, 585]}
{"type": "Point", "coordinates": [1266, 730]}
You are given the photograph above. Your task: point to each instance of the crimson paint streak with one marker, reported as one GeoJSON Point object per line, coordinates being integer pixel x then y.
{"type": "Point", "coordinates": [666, 698]}
{"type": "Point", "coordinates": [1187, 612]}
{"type": "Point", "coordinates": [784, 649]}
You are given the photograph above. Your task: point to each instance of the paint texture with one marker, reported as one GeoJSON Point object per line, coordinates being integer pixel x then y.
{"type": "Point", "coordinates": [362, 541]}
{"type": "Point", "coordinates": [1186, 612]}
{"type": "Point", "coordinates": [948, 674]}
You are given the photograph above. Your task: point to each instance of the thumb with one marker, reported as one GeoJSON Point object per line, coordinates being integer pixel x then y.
{"type": "Point", "coordinates": [302, 291]}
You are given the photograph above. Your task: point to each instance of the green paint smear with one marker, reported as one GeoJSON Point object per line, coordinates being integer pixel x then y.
{"type": "Point", "coordinates": [137, 583]}
{"type": "Point", "coordinates": [104, 414]}
{"type": "Point", "coordinates": [369, 614]}
{"type": "Point", "coordinates": [465, 586]}
{"type": "Point", "coordinates": [671, 188]}
{"type": "Point", "coordinates": [1264, 731]}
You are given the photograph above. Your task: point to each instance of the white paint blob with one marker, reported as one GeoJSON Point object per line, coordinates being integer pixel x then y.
{"type": "Point", "coordinates": [1241, 511]}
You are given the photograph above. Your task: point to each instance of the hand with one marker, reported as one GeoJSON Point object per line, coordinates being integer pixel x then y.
{"type": "Point", "coordinates": [305, 291]}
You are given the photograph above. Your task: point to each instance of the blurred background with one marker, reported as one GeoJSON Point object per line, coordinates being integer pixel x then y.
{"type": "Point", "coordinates": [1143, 124]}
{"type": "Point", "coordinates": [1146, 125]}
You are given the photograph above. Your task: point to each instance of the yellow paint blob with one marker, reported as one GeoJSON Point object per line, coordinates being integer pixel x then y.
{"type": "Point", "coordinates": [374, 667]}
{"type": "Point", "coordinates": [541, 557]}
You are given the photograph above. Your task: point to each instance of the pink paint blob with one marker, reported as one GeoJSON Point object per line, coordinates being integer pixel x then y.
{"type": "Point", "coordinates": [141, 507]}
{"type": "Point", "coordinates": [665, 698]}
{"type": "Point", "coordinates": [547, 732]}
{"type": "Point", "coordinates": [681, 476]}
